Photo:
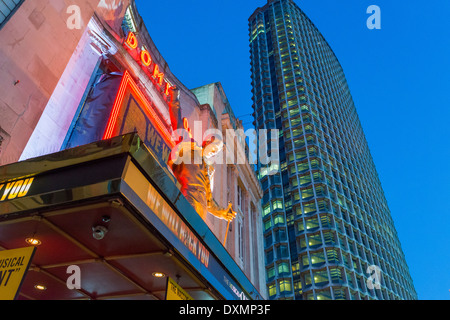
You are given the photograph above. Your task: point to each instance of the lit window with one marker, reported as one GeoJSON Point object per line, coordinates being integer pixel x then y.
{"type": "Point", "coordinates": [297, 132]}
{"type": "Point", "coordinates": [305, 261]}
{"type": "Point", "coordinates": [329, 238]}
{"type": "Point", "coordinates": [324, 295]}
{"type": "Point", "coordinates": [301, 154]}
{"type": "Point", "coordinates": [323, 205]}
{"type": "Point", "coordinates": [305, 179]}
{"type": "Point", "coordinates": [314, 240]}
{"type": "Point", "coordinates": [312, 223]}
{"type": "Point", "coordinates": [272, 290]}
{"type": "Point", "coordinates": [285, 286]}
{"type": "Point", "coordinates": [274, 167]}
{"type": "Point", "coordinates": [302, 166]}
{"type": "Point", "coordinates": [317, 258]}
{"type": "Point", "coordinates": [300, 226]}
{"type": "Point", "coordinates": [339, 294]}
{"type": "Point", "coordinates": [277, 204]}
{"type": "Point", "coordinates": [336, 275]}
{"type": "Point", "coordinates": [295, 269]}
{"type": "Point", "coordinates": [266, 210]}
{"type": "Point", "coordinates": [309, 207]}
{"type": "Point", "coordinates": [332, 256]}
{"type": "Point", "coordinates": [278, 219]}
{"type": "Point", "coordinates": [298, 287]}
{"type": "Point", "coordinates": [307, 193]}
{"type": "Point", "coordinates": [307, 278]}
{"type": "Point", "coordinates": [283, 268]}
{"type": "Point", "coordinates": [320, 277]}
{"type": "Point", "coordinates": [267, 224]}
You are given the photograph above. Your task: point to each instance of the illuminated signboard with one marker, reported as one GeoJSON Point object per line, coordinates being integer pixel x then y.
{"type": "Point", "coordinates": [175, 292]}
{"type": "Point", "coordinates": [15, 189]}
{"type": "Point", "coordinates": [181, 236]}
{"type": "Point", "coordinates": [13, 266]}
{"type": "Point", "coordinates": [166, 214]}
{"type": "Point", "coordinates": [132, 112]}
{"type": "Point", "coordinates": [115, 105]}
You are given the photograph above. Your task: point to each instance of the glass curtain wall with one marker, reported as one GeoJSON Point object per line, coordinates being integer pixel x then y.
{"type": "Point", "coordinates": [325, 216]}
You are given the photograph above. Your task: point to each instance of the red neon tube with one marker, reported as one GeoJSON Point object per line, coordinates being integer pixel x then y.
{"type": "Point", "coordinates": [127, 81]}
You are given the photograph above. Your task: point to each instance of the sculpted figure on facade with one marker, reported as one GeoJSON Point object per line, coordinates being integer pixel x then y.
{"type": "Point", "coordinates": [193, 167]}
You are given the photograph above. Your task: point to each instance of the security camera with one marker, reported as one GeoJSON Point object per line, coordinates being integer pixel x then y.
{"type": "Point", "coordinates": [99, 232]}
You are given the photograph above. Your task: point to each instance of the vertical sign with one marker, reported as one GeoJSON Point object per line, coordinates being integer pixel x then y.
{"type": "Point", "coordinates": [13, 267]}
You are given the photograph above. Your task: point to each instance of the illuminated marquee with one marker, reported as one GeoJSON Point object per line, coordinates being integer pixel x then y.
{"type": "Point", "coordinates": [15, 189]}
{"type": "Point", "coordinates": [161, 208]}
{"type": "Point", "coordinates": [147, 62]}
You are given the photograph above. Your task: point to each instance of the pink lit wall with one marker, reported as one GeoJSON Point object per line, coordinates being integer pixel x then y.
{"type": "Point", "coordinates": [35, 50]}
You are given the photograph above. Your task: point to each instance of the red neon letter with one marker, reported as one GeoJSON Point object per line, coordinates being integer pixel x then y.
{"type": "Point", "coordinates": [158, 75]}
{"type": "Point", "coordinates": [167, 89]}
{"type": "Point", "coordinates": [132, 41]}
{"type": "Point", "coordinates": [146, 58]}
{"type": "Point", "coordinates": [186, 127]}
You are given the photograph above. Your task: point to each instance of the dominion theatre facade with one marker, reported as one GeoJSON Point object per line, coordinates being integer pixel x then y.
{"type": "Point", "coordinates": [89, 178]}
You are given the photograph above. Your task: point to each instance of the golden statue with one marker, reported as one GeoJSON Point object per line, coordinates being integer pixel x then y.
{"type": "Point", "coordinates": [197, 179]}
{"type": "Point", "coordinates": [194, 170]}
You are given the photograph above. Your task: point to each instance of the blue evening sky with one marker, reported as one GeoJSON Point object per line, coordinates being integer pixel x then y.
{"type": "Point", "coordinates": [399, 78]}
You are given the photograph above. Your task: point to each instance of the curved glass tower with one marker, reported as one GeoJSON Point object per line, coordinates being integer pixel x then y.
{"type": "Point", "coordinates": [328, 229]}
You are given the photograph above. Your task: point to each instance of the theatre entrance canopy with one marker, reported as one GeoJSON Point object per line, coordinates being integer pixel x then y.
{"type": "Point", "coordinates": [111, 209]}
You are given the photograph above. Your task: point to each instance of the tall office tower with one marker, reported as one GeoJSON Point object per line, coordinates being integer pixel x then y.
{"type": "Point", "coordinates": [327, 226]}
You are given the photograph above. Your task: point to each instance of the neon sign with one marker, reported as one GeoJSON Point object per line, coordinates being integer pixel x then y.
{"type": "Point", "coordinates": [186, 127]}
{"type": "Point", "coordinates": [129, 92]}
{"type": "Point", "coordinates": [146, 59]}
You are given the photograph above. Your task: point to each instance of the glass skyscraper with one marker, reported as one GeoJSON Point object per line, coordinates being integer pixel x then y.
{"type": "Point", "coordinates": [328, 231]}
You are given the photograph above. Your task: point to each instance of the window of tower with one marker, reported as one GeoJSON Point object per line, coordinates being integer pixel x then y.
{"type": "Point", "coordinates": [285, 286]}
{"type": "Point", "coordinates": [320, 277]}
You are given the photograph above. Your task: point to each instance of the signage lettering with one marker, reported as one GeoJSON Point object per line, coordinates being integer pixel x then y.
{"type": "Point", "coordinates": [203, 254]}
{"type": "Point", "coordinates": [13, 266]}
{"type": "Point", "coordinates": [146, 60]}
{"type": "Point", "coordinates": [167, 215]}
{"type": "Point", "coordinates": [132, 41]}
{"type": "Point", "coordinates": [175, 292]}
{"type": "Point", "coordinates": [187, 242]}
{"type": "Point", "coordinates": [236, 291]}
{"type": "Point", "coordinates": [15, 189]}
{"type": "Point", "coordinates": [186, 127]}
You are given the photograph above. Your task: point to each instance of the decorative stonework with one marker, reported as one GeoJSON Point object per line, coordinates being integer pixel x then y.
{"type": "Point", "coordinates": [4, 139]}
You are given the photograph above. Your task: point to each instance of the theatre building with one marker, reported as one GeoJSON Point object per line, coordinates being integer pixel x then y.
{"type": "Point", "coordinates": [92, 129]}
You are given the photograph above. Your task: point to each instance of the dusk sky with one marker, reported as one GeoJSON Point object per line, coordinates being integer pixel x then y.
{"type": "Point", "coordinates": [399, 78]}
